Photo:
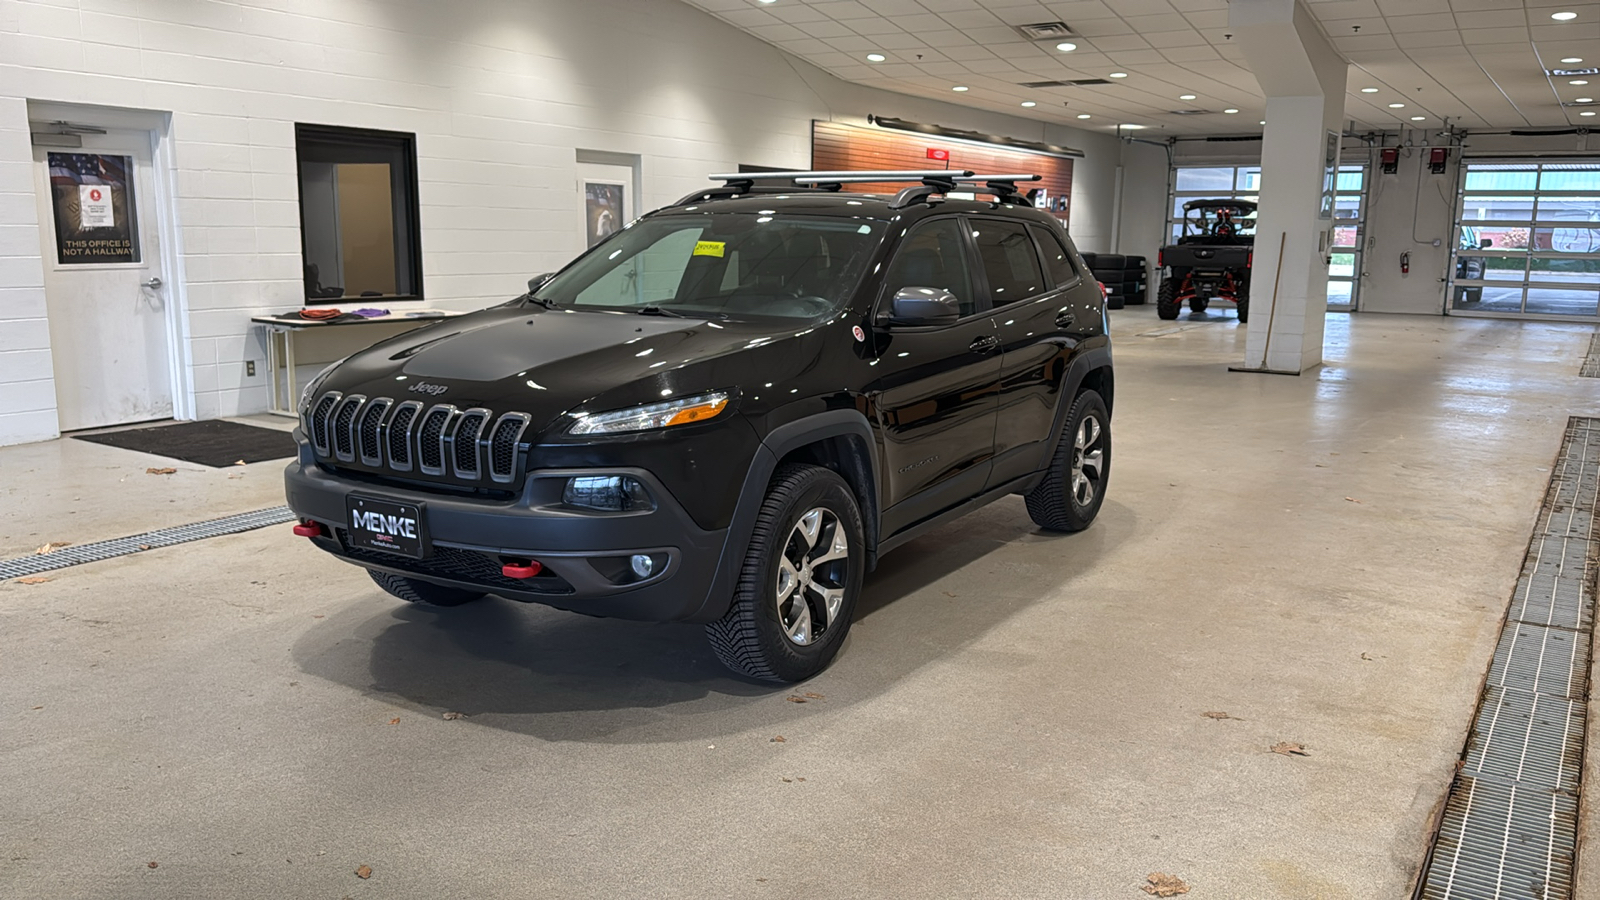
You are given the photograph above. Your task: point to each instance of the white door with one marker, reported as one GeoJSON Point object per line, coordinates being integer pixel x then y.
{"type": "Point", "coordinates": [104, 289]}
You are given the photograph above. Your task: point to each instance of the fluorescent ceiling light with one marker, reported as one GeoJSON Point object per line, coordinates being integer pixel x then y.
{"type": "Point", "coordinates": [1263, 122]}
{"type": "Point", "coordinates": [958, 88]}
{"type": "Point", "coordinates": [1083, 115]}
{"type": "Point", "coordinates": [1369, 90]}
{"type": "Point", "coordinates": [1573, 59]}
{"type": "Point", "coordinates": [1587, 113]}
{"type": "Point", "coordinates": [1584, 100]}
{"type": "Point", "coordinates": [1397, 106]}
{"type": "Point", "coordinates": [1066, 46]}
{"type": "Point", "coordinates": [1564, 16]}
{"type": "Point", "coordinates": [1119, 74]}
{"type": "Point", "coordinates": [875, 57]}
{"type": "Point", "coordinates": [1187, 97]}
{"type": "Point", "coordinates": [1418, 118]}
{"type": "Point", "coordinates": [1230, 111]}
{"type": "Point", "coordinates": [1029, 103]}
{"type": "Point", "coordinates": [1578, 81]}
{"type": "Point", "coordinates": [1131, 126]}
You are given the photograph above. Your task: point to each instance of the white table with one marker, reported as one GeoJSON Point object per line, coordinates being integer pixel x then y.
{"type": "Point", "coordinates": [280, 345]}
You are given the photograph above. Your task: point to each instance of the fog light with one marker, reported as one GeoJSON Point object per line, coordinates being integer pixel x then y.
{"type": "Point", "coordinates": [607, 493]}
{"type": "Point", "coordinates": [642, 565]}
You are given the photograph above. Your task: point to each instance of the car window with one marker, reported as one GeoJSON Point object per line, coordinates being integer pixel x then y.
{"type": "Point", "coordinates": [1009, 259]}
{"type": "Point", "coordinates": [722, 264]}
{"type": "Point", "coordinates": [1056, 260]}
{"type": "Point", "coordinates": [932, 256]}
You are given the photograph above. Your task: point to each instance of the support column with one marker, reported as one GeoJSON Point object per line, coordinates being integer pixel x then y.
{"type": "Point", "coordinates": [1303, 78]}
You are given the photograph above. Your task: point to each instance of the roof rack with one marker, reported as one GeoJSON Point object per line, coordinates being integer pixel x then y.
{"type": "Point", "coordinates": [930, 182]}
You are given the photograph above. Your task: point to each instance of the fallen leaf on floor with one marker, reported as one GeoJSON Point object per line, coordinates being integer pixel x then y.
{"type": "Point", "coordinates": [363, 871]}
{"type": "Point", "coordinates": [799, 779]}
{"type": "Point", "coordinates": [1352, 500]}
{"type": "Point", "coordinates": [144, 546]}
{"type": "Point", "coordinates": [232, 477]}
{"type": "Point", "coordinates": [1321, 466]}
{"type": "Point", "coordinates": [787, 780]}
{"type": "Point", "coordinates": [395, 721]}
{"type": "Point", "coordinates": [1366, 657]}
{"type": "Point", "coordinates": [238, 462]}
{"type": "Point", "coordinates": [1218, 714]}
{"type": "Point", "coordinates": [452, 716]}
{"type": "Point", "coordinates": [52, 546]}
{"type": "Point", "coordinates": [38, 707]}
{"type": "Point", "coordinates": [1160, 884]}
{"type": "Point", "coordinates": [812, 696]}
{"type": "Point", "coordinates": [1290, 749]}
{"type": "Point", "coordinates": [795, 699]}
{"type": "Point", "coordinates": [319, 617]}
{"type": "Point", "coordinates": [780, 739]}
{"type": "Point", "coordinates": [165, 470]}
{"type": "Point", "coordinates": [152, 864]}
{"type": "Point", "coordinates": [34, 580]}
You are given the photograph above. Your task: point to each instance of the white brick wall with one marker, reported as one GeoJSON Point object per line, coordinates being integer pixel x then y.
{"type": "Point", "coordinates": [500, 93]}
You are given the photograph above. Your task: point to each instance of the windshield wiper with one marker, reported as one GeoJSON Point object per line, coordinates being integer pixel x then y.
{"type": "Point", "coordinates": [660, 311]}
{"type": "Point", "coordinates": [531, 298]}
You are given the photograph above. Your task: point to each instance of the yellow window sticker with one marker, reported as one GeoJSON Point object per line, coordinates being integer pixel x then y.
{"type": "Point", "coordinates": [710, 248]}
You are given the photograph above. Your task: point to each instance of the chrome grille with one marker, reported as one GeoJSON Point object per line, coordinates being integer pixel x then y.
{"type": "Point", "coordinates": [368, 431]}
{"type": "Point", "coordinates": [405, 436]}
{"type": "Point", "coordinates": [464, 445]}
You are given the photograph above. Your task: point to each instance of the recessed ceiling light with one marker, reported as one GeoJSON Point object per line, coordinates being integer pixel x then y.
{"type": "Point", "coordinates": [1230, 111]}
{"type": "Point", "coordinates": [1397, 106]}
{"type": "Point", "coordinates": [1564, 16]}
{"type": "Point", "coordinates": [1029, 103]}
{"type": "Point", "coordinates": [1369, 90]}
{"type": "Point", "coordinates": [1584, 100]}
{"type": "Point", "coordinates": [1083, 115]}
{"type": "Point", "coordinates": [1573, 59]}
{"type": "Point", "coordinates": [958, 88]}
{"type": "Point", "coordinates": [1578, 81]}
{"type": "Point", "coordinates": [1263, 122]}
{"type": "Point", "coordinates": [1066, 46]}
{"type": "Point", "coordinates": [1418, 118]}
{"type": "Point", "coordinates": [1186, 97]}
{"type": "Point", "coordinates": [1119, 74]}
{"type": "Point", "coordinates": [1587, 113]}
{"type": "Point", "coordinates": [875, 57]}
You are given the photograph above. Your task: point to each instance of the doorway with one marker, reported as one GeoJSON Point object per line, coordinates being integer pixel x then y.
{"type": "Point", "coordinates": [104, 232]}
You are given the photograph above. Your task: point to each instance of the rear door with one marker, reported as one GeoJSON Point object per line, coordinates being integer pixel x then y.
{"type": "Point", "coordinates": [934, 399]}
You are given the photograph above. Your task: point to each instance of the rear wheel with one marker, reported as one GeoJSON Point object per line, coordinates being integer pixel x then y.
{"type": "Point", "coordinates": [1074, 486]}
{"type": "Point", "coordinates": [414, 591]}
{"type": "Point", "coordinates": [801, 577]}
{"type": "Point", "coordinates": [1244, 309]}
{"type": "Point", "coordinates": [1167, 306]}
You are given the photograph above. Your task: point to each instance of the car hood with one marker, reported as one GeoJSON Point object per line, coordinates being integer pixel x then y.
{"type": "Point", "coordinates": [550, 362]}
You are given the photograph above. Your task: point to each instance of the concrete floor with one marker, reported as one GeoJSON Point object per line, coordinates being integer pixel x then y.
{"type": "Point", "coordinates": [1324, 558]}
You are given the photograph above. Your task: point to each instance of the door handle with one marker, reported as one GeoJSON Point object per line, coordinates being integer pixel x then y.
{"type": "Point", "coordinates": [987, 343]}
{"type": "Point", "coordinates": [1065, 319]}
{"type": "Point", "coordinates": [154, 282]}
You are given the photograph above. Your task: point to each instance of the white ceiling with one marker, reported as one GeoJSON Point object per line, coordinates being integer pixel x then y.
{"type": "Point", "coordinates": [1481, 63]}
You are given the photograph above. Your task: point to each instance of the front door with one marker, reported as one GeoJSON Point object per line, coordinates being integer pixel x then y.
{"type": "Point", "coordinates": [936, 398]}
{"type": "Point", "coordinates": [105, 293]}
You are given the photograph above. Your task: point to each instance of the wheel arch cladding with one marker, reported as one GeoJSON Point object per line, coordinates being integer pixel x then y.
{"type": "Point", "coordinates": [1102, 381]}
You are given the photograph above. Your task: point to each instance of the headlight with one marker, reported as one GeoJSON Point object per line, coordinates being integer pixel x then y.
{"type": "Point", "coordinates": [312, 385]}
{"type": "Point", "coordinates": [654, 415]}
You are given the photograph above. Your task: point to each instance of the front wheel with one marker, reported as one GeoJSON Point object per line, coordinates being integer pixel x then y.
{"type": "Point", "coordinates": [1244, 310]}
{"type": "Point", "coordinates": [801, 577]}
{"type": "Point", "coordinates": [1074, 485]}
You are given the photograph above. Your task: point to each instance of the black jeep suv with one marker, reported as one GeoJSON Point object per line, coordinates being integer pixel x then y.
{"type": "Point", "coordinates": [724, 413]}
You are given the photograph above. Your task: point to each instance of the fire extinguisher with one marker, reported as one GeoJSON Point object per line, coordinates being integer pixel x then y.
{"type": "Point", "coordinates": [1405, 263]}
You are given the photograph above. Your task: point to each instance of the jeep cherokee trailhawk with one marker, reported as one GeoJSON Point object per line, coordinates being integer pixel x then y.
{"type": "Point", "coordinates": [725, 412]}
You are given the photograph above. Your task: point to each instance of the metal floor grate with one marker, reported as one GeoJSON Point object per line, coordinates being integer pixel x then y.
{"type": "Point", "coordinates": [1510, 824]}
{"type": "Point", "coordinates": [1591, 361]}
{"type": "Point", "coordinates": [163, 537]}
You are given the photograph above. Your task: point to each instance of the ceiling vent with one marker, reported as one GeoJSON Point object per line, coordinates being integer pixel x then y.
{"type": "Point", "coordinates": [1076, 82]}
{"type": "Point", "coordinates": [1556, 73]}
{"type": "Point", "coordinates": [1193, 112]}
{"type": "Point", "coordinates": [1045, 31]}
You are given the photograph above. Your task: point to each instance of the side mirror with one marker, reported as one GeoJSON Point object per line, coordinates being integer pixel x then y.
{"type": "Point", "coordinates": [924, 306]}
{"type": "Point", "coordinates": [539, 281]}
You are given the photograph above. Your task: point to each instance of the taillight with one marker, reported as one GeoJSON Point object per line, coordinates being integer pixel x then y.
{"type": "Point", "coordinates": [1161, 257]}
{"type": "Point", "coordinates": [1250, 259]}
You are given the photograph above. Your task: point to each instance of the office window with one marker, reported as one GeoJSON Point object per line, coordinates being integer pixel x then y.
{"type": "Point", "coordinates": [359, 237]}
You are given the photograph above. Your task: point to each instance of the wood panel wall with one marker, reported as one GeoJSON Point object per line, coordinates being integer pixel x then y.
{"type": "Point", "coordinates": [839, 147]}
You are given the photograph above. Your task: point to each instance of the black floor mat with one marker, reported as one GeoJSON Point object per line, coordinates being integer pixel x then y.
{"type": "Point", "coordinates": [210, 443]}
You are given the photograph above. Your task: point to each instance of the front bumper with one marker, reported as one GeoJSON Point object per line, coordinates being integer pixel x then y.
{"type": "Point", "coordinates": [470, 537]}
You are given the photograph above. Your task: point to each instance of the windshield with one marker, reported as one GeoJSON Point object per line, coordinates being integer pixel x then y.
{"type": "Point", "coordinates": [722, 264]}
{"type": "Point", "coordinates": [1221, 221]}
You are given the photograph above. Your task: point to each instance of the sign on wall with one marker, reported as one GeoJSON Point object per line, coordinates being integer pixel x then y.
{"type": "Point", "coordinates": [92, 196]}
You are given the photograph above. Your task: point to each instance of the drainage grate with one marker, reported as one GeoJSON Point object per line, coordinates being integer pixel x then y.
{"type": "Point", "coordinates": [1591, 362]}
{"type": "Point", "coordinates": [1510, 824]}
{"type": "Point", "coordinates": [162, 537]}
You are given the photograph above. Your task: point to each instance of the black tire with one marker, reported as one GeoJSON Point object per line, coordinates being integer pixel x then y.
{"type": "Point", "coordinates": [1134, 263]}
{"type": "Point", "coordinates": [1244, 310]}
{"type": "Point", "coordinates": [1058, 502]}
{"type": "Point", "coordinates": [413, 591]}
{"type": "Point", "coordinates": [1111, 262]}
{"type": "Point", "coordinates": [1088, 259]}
{"type": "Point", "coordinates": [756, 635]}
{"type": "Point", "coordinates": [1167, 306]}
{"type": "Point", "coordinates": [1199, 304]}
{"type": "Point", "coordinates": [1114, 297]}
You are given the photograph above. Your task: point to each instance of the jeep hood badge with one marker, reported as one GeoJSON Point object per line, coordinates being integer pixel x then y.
{"type": "Point", "coordinates": [432, 390]}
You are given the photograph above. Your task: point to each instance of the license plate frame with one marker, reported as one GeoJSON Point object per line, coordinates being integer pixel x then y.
{"type": "Point", "coordinates": [388, 526]}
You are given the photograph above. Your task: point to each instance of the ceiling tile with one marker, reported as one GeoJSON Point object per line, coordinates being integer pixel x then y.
{"type": "Point", "coordinates": [1492, 18]}
{"type": "Point", "coordinates": [1428, 39]}
{"type": "Point", "coordinates": [1185, 38]}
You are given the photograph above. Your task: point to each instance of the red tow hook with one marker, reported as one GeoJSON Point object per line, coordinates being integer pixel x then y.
{"type": "Point", "coordinates": [520, 569]}
{"type": "Point", "coordinates": [308, 529]}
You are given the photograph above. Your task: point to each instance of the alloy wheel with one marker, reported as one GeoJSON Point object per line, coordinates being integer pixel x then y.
{"type": "Point", "coordinates": [812, 573]}
{"type": "Point", "coordinates": [1088, 460]}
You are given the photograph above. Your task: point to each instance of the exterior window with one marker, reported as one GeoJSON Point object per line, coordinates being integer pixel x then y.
{"type": "Point", "coordinates": [1529, 239]}
{"type": "Point", "coordinates": [932, 256]}
{"type": "Point", "coordinates": [1009, 260]}
{"type": "Point", "coordinates": [358, 214]}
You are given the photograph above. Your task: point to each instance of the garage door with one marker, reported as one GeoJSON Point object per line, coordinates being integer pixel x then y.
{"type": "Point", "coordinates": [1528, 243]}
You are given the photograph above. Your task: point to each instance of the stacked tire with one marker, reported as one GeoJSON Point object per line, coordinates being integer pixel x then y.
{"type": "Point", "coordinates": [1125, 277]}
